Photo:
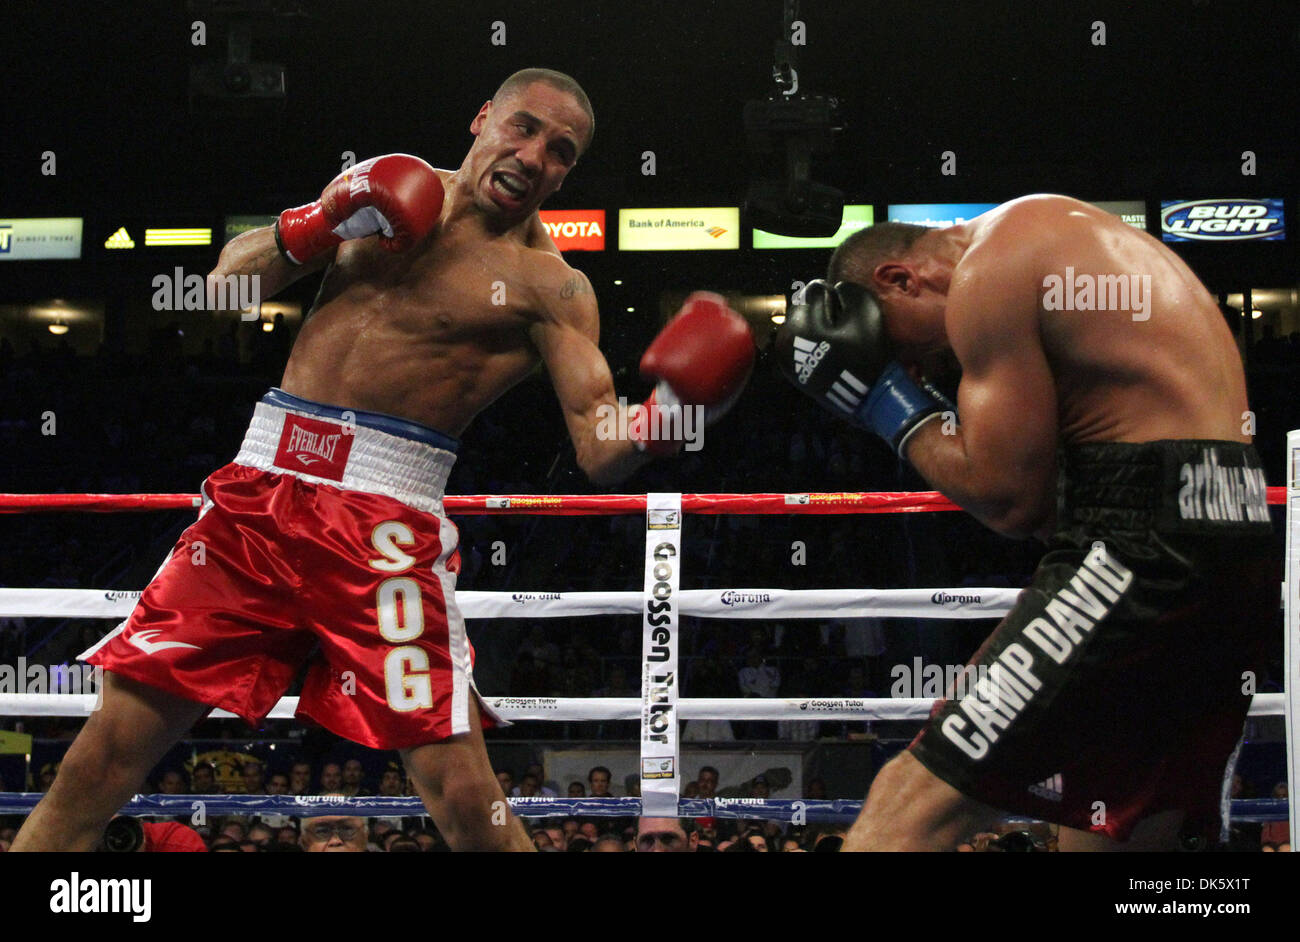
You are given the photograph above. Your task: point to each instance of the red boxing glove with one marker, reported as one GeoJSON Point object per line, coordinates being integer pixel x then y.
{"type": "Point", "coordinates": [702, 358]}
{"type": "Point", "coordinates": [397, 194]}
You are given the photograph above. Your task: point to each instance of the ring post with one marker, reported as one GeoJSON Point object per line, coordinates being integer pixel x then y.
{"type": "Point", "coordinates": [659, 724]}
{"type": "Point", "coordinates": [1291, 618]}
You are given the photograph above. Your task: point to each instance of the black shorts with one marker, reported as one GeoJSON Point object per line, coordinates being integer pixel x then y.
{"type": "Point", "coordinates": [1118, 684]}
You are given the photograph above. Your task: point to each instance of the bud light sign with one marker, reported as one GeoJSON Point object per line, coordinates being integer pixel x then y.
{"type": "Point", "coordinates": [1222, 220]}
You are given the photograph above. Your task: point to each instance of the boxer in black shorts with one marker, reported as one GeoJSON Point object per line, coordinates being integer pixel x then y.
{"type": "Point", "coordinates": [1102, 408]}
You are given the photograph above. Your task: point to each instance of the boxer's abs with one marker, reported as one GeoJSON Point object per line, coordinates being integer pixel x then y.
{"type": "Point", "coordinates": [436, 362]}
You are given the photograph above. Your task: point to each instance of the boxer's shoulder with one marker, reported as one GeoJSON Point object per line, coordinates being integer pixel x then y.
{"type": "Point", "coordinates": [558, 286]}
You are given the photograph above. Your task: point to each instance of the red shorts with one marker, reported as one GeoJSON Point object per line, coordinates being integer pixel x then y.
{"type": "Point", "coordinates": [350, 569]}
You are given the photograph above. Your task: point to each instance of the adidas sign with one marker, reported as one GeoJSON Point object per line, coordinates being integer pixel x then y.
{"type": "Point", "coordinates": [807, 355]}
{"type": "Point", "coordinates": [1050, 788]}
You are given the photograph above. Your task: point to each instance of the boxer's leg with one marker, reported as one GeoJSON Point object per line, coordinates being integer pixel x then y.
{"type": "Point", "coordinates": [911, 808]}
{"type": "Point", "coordinates": [460, 789]}
{"type": "Point", "coordinates": [107, 764]}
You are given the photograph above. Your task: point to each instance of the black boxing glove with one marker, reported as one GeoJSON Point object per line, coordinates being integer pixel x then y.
{"type": "Point", "coordinates": [832, 346]}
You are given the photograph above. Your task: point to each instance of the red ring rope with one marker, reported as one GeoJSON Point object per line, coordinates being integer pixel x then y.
{"type": "Point", "coordinates": [845, 502]}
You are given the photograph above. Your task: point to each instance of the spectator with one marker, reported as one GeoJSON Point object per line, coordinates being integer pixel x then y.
{"type": "Point", "coordinates": [278, 785]}
{"type": "Point", "coordinates": [758, 679]}
{"type": "Point", "coordinates": [260, 835]}
{"type": "Point", "coordinates": [331, 779]}
{"type": "Point", "coordinates": [1277, 832]}
{"type": "Point", "coordinates": [666, 836]}
{"type": "Point", "coordinates": [537, 787]}
{"type": "Point", "coordinates": [254, 775]}
{"type": "Point", "coordinates": [353, 779]}
{"type": "Point", "coordinates": [528, 786]}
{"type": "Point", "coordinates": [608, 844]}
{"type": "Point", "coordinates": [707, 781]}
{"type": "Point", "coordinates": [390, 783]}
{"type": "Point", "coordinates": [545, 654]}
{"type": "Point", "coordinates": [203, 780]}
{"type": "Point", "coordinates": [598, 778]}
{"type": "Point", "coordinates": [529, 678]}
{"type": "Point", "coordinates": [576, 790]}
{"type": "Point", "coordinates": [334, 834]}
{"type": "Point", "coordinates": [300, 779]}
{"type": "Point", "coordinates": [172, 783]}
{"type": "Point", "coordinates": [569, 828]}
{"type": "Point", "coordinates": [506, 781]}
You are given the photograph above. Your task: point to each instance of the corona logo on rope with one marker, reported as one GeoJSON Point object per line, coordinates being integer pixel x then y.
{"type": "Point", "coordinates": [733, 597]}
{"type": "Point", "coordinates": [524, 598]}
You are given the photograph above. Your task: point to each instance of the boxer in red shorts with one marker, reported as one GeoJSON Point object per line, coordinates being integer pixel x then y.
{"type": "Point", "coordinates": [327, 533]}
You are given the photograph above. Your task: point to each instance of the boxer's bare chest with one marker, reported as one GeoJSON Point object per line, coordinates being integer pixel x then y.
{"type": "Point", "coordinates": [453, 289]}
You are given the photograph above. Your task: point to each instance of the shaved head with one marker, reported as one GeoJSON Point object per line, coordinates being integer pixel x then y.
{"type": "Point", "coordinates": [558, 80]}
{"type": "Point", "coordinates": [857, 257]}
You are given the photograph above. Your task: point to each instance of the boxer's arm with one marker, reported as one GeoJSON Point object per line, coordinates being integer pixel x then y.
{"type": "Point", "coordinates": [255, 253]}
{"type": "Point", "coordinates": [566, 336]}
{"type": "Point", "coordinates": [1000, 464]}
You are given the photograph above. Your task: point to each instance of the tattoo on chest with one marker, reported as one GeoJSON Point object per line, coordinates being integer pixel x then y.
{"type": "Point", "coordinates": [572, 288]}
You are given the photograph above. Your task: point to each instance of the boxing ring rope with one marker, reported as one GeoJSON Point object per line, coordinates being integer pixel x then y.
{"type": "Point", "coordinates": [790, 810]}
{"type": "Point", "coordinates": [845, 502]}
{"type": "Point", "coordinates": [657, 699]}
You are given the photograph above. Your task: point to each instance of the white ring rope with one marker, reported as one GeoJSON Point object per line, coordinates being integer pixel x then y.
{"type": "Point", "coordinates": [811, 709]}
{"type": "Point", "coordinates": [960, 603]}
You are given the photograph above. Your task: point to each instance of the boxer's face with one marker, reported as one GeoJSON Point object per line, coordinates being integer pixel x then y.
{"type": "Point", "coordinates": [913, 295]}
{"type": "Point", "coordinates": [525, 146]}
{"type": "Point", "coordinates": [914, 318]}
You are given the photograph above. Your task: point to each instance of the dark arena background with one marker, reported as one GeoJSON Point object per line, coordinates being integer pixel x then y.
{"type": "Point", "coordinates": [137, 139]}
